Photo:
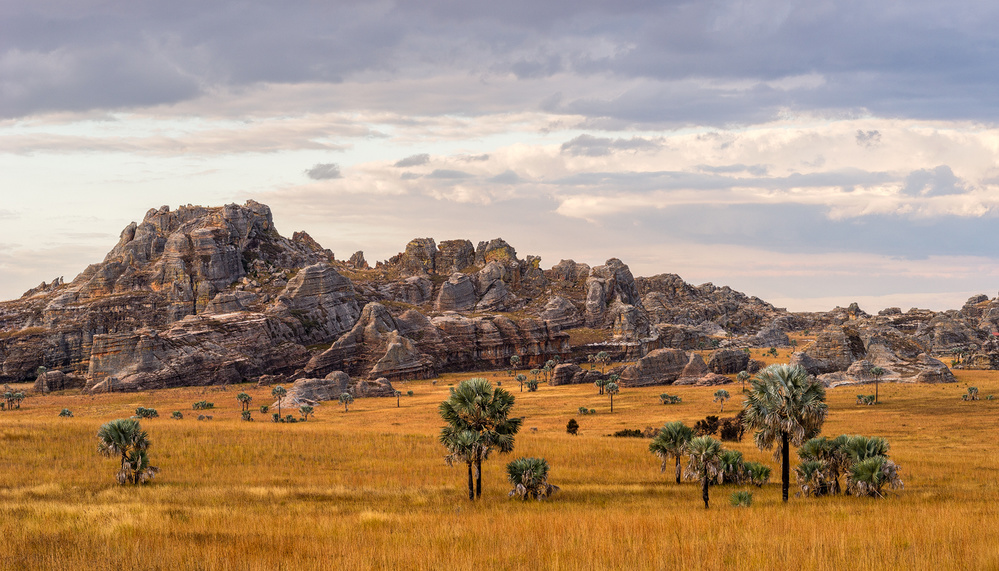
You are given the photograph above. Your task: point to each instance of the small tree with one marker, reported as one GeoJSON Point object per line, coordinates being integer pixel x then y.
{"type": "Point", "coordinates": [603, 358]}
{"type": "Point", "coordinates": [721, 395]}
{"type": "Point", "coordinates": [515, 361]}
{"type": "Point", "coordinates": [758, 474]}
{"type": "Point", "coordinates": [125, 438]}
{"type": "Point", "coordinates": [705, 462]}
{"type": "Point", "coordinates": [177, 415]}
{"type": "Point", "coordinates": [66, 413]}
{"type": "Point", "coordinates": [245, 415]}
{"type": "Point", "coordinates": [742, 377]}
{"type": "Point", "coordinates": [520, 379]}
{"type": "Point", "coordinates": [279, 393]}
{"type": "Point", "coordinates": [532, 385]}
{"type": "Point", "coordinates": [244, 401]}
{"type": "Point", "coordinates": [529, 477]}
{"type": "Point", "coordinates": [877, 373]}
{"type": "Point", "coordinates": [600, 384]}
{"type": "Point", "coordinates": [612, 389]}
{"type": "Point", "coordinates": [346, 399]}
{"type": "Point", "coordinates": [398, 398]}
{"type": "Point", "coordinates": [572, 427]}
{"type": "Point", "coordinates": [306, 410]}
{"type": "Point", "coordinates": [671, 442]}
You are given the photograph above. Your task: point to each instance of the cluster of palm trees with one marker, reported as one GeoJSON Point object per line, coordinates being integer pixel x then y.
{"type": "Point", "coordinates": [12, 399]}
{"type": "Point", "coordinates": [864, 461]}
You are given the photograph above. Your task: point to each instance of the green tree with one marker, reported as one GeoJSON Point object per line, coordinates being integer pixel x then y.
{"type": "Point", "coordinates": [244, 400]}
{"type": "Point", "coordinates": [877, 373]}
{"type": "Point", "coordinates": [279, 393]}
{"type": "Point", "coordinates": [66, 412]}
{"type": "Point", "coordinates": [742, 377]}
{"type": "Point", "coordinates": [671, 442]}
{"type": "Point", "coordinates": [463, 445]}
{"type": "Point", "coordinates": [603, 358]}
{"type": "Point", "coordinates": [572, 427]}
{"type": "Point", "coordinates": [520, 379]}
{"type": "Point", "coordinates": [758, 474]}
{"type": "Point", "coordinates": [600, 384]}
{"type": "Point", "coordinates": [612, 389]}
{"type": "Point", "coordinates": [346, 399]}
{"type": "Point", "coordinates": [705, 462]}
{"type": "Point", "coordinates": [305, 410]}
{"type": "Point", "coordinates": [529, 477]}
{"type": "Point", "coordinates": [515, 361]}
{"type": "Point", "coordinates": [869, 476]}
{"type": "Point", "coordinates": [474, 406]}
{"type": "Point", "coordinates": [784, 407]}
{"type": "Point", "coordinates": [721, 395]}
{"type": "Point", "coordinates": [398, 398]}
{"type": "Point", "coordinates": [125, 438]}
{"type": "Point", "coordinates": [732, 467]}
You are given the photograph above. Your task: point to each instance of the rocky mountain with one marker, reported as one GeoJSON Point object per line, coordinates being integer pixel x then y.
{"type": "Point", "coordinates": [200, 295]}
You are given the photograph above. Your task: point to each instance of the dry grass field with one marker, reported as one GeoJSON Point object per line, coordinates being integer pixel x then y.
{"type": "Point", "coordinates": [368, 489]}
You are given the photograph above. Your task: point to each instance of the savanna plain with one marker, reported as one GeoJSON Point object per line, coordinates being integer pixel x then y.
{"type": "Point", "coordinates": [369, 489]}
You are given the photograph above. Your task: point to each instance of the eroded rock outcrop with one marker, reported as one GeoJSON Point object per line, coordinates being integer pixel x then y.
{"type": "Point", "coordinates": [660, 367]}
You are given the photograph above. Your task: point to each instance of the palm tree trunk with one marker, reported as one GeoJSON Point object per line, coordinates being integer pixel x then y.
{"type": "Point", "coordinates": [875, 391]}
{"type": "Point", "coordinates": [471, 483]}
{"type": "Point", "coordinates": [785, 465]}
{"type": "Point", "coordinates": [612, 403]}
{"type": "Point", "coordinates": [677, 469]}
{"type": "Point", "coordinates": [704, 488]}
{"type": "Point", "coordinates": [478, 478]}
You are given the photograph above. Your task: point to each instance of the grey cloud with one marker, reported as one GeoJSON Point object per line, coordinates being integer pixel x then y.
{"type": "Point", "coordinates": [506, 177]}
{"type": "Point", "coordinates": [324, 171]}
{"type": "Point", "coordinates": [474, 158]}
{"type": "Point", "coordinates": [933, 182]}
{"type": "Point", "coordinates": [868, 138]}
{"type": "Point", "coordinates": [590, 146]}
{"type": "Point", "coordinates": [612, 182]}
{"type": "Point", "coordinates": [448, 174]}
{"type": "Point", "coordinates": [757, 170]}
{"type": "Point", "coordinates": [413, 161]}
{"type": "Point", "coordinates": [409, 176]}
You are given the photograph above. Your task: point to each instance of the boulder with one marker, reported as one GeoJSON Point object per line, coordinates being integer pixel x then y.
{"type": "Point", "coordinates": [695, 368]}
{"type": "Point", "coordinates": [660, 367]}
{"type": "Point", "coordinates": [728, 361]}
{"type": "Point", "coordinates": [564, 374]}
{"type": "Point", "coordinates": [712, 379]}
{"type": "Point", "coordinates": [57, 381]}
{"type": "Point", "coordinates": [560, 313]}
{"type": "Point", "coordinates": [456, 294]}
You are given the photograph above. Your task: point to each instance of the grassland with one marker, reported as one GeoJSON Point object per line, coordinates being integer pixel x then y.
{"type": "Point", "coordinates": [369, 488]}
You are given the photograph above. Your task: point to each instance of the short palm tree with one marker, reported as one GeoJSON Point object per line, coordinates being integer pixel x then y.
{"type": "Point", "coordinates": [870, 476]}
{"type": "Point", "coordinates": [398, 398]}
{"type": "Point", "coordinates": [732, 467]}
{"type": "Point", "coordinates": [758, 474]}
{"type": "Point", "coordinates": [529, 477]}
{"type": "Point", "coordinates": [785, 407]}
{"type": "Point", "coordinates": [721, 395]}
{"type": "Point", "coordinates": [742, 377]}
{"type": "Point", "coordinates": [124, 437]}
{"type": "Point", "coordinates": [810, 475]}
{"type": "Point", "coordinates": [521, 378]}
{"type": "Point", "coordinates": [279, 393]}
{"type": "Point", "coordinates": [671, 442]}
{"type": "Point", "coordinates": [705, 462]}
{"type": "Point", "coordinates": [305, 410]}
{"type": "Point", "coordinates": [244, 400]}
{"type": "Point", "coordinates": [475, 406]}
{"type": "Point", "coordinates": [346, 399]}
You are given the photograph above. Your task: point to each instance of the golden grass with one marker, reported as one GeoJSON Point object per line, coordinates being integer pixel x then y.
{"type": "Point", "coordinates": [368, 489]}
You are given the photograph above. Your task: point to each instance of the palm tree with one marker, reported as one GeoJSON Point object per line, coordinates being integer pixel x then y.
{"type": "Point", "coordinates": [603, 358]}
{"type": "Point", "coordinates": [463, 446]}
{"type": "Point", "coordinates": [742, 377]}
{"type": "Point", "coordinates": [475, 406]}
{"type": "Point", "coordinates": [278, 392]}
{"type": "Point", "coordinates": [784, 407]}
{"type": "Point", "coordinates": [758, 474]}
{"type": "Point", "coordinates": [810, 475]}
{"type": "Point", "coordinates": [515, 361]}
{"type": "Point", "coordinates": [869, 476]}
{"type": "Point", "coordinates": [520, 379]}
{"type": "Point", "coordinates": [125, 437]}
{"type": "Point", "coordinates": [732, 467]}
{"type": "Point", "coordinates": [612, 389]}
{"type": "Point", "coordinates": [346, 399]}
{"type": "Point", "coordinates": [600, 384]}
{"type": "Point", "coordinates": [244, 400]}
{"type": "Point", "coordinates": [305, 410]}
{"type": "Point", "coordinates": [529, 477]}
{"type": "Point", "coordinates": [721, 395]}
{"type": "Point", "coordinates": [671, 442]}
{"type": "Point", "coordinates": [705, 462]}
{"type": "Point", "coordinates": [877, 373]}
{"type": "Point", "coordinates": [398, 397]}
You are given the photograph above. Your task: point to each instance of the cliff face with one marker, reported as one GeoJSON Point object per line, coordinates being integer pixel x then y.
{"type": "Point", "coordinates": [204, 295]}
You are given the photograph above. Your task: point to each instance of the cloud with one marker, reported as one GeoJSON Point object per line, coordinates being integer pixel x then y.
{"type": "Point", "coordinates": [506, 177]}
{"type": "Point", "coordinates": [413, 161]}
{"type": "Point", "coordinates": [590, 146]}
{"type": "Point", "coordinates": [933, 182]}
{"type": "Point", "coordinates": [324, 171]}
{"type": "Point", "coordinates": [868, 138]}
{"type": "Point", "coordinates": [446, 174]}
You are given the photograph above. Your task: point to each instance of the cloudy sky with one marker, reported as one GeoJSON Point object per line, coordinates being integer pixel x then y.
{"type": "Point", "coordinates": [811, 153]}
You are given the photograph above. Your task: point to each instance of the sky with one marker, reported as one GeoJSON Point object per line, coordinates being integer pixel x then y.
{"type": "Point", "coordinates": [812, 153]}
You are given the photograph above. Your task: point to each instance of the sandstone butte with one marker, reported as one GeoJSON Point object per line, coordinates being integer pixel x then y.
{"type": "Point", "coordinates": [215, 295]}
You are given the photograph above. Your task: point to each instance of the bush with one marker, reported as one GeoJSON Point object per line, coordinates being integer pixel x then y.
{"type": "Point", "coordinates": [290, 418]}
{"type": "Point", "coordinates": [865, 399]}
{"type": "Point", "coordinates": [264, 408]}
{"type": "Point", "coordinates": [584, 410]}
{"type": "Point", "coordinates": [593, 411]}
{"type": "Point", "coordinates": [670, 399]}
{"type": "Point", "coordinates": [741, 499]}
{"type": "Point", "coordinates": [628, 433]}
{"type": "Point", "coordinates": [203, 405]}
{"type": "Point", "coordinates": [246, 415]}
{"type": "Point", "coordinates": [572, 427]}
{"type": "Point", "coordinates": [66, 412]}
{"type": "Point", "coordinates": [707, 426]}
{"type": "Point", "coordinates": [732, 429]}
{"type": "Point", "coordinates": [177, 415]}
{"type": "Point", "coordinates": [276, 417]}
{"type": "Point", "coordinates": [143, 412]}
{"type": "Point", "coordinates": [409, 393]}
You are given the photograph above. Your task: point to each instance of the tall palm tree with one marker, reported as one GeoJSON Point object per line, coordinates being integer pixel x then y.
{"type": "Point", "coordinates": [671, 442]}
{"type": "Point", "coordinates": [244, 400]}
{"type": "Point", "coordinates": [785, 407]}
{"type": "Point", "coordinates": [279, 392]}
{"type": "Point", "coordinates": [521, 378]}
{"type": "Point", "coordinates": [612, 389]}
{"type": "Point", "coordinates": [475, 406]}
{"type": "Point", "coordinates": [705, 462]}
{"type": "Point", "coordinates": [877, 373]}
{"type": "Point", "coordinates": [463, 446]}
{"type": "Point", "coordinates": [126, 438]}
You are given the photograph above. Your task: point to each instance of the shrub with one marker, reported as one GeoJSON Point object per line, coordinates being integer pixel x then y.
{"type": "Point", "coordinates": [865, 399]}
{"type": "Point", "coordinates": [203, 405]}
{"type": "Point", "coordinates": [529, 477]}
{"type": "Point", "coordinates": [670, 399]}
{"type": "Point", "coordinates": [143, 412]}
{"type": "Point", "coordinates": [66, 412]}
{"type": "Point", "coordinates": [707, 426]}
{"type": "Point", "coordinates": [593, 411]}
{"type": "Point", "coordinates": [732, 429]}
{"type": "Point", "coordinates": [409, 393]}
{"type": "Point", "coordinates": [572, 427]}
{"type": "Point", "coordinates": [177, 415]}
{"type": "Point", "coordinates": [264, 408]}
{"type": "Point", "coordinates": [532, 385]}
{"type": "Point", "coordinates": [290, 418]}
{"type": "Point", "coordinates": [628, 433]}
{"type": "Point", "coordinates": [741, 498]}
{"type": "Point", "coordinates": [246, 415]}
{"type": "Point", "coordinates": [584, 410]}
{"type": "Point", "coordinates": [276, 417]}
